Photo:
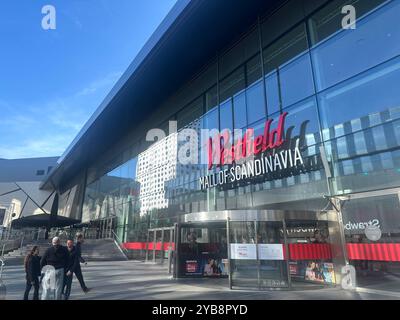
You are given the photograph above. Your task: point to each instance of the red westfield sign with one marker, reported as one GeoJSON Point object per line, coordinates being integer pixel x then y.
{"type": "Point", "coordinates": [219, 154]}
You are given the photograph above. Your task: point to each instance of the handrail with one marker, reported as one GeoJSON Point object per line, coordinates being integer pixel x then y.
{"type": "Point", "coordinates": [22, 241]}
{"type": "Point", "coordinates": [2, 264]}
{"type": "Point", "coordinates": [2, 252]}
{"type": "Point", "coordinates": [118, 240]}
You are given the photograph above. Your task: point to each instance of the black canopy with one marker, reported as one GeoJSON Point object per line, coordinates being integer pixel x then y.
{"type": "Point", "coordinates": [43, 220]}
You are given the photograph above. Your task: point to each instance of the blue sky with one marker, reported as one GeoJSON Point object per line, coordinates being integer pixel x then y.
{"type": "Point", "coordinates": [51, 81]}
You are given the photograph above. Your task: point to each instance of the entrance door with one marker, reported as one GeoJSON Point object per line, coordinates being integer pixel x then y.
{"type": "Point", "coordinates": [160, 246]}
{"type": "Point", "coordinates": [271, 254]}
{"type": "Point", "coordinates": [266, 249]}
{"type": "Point", "coordinates": [310, 252]}
{"type": "Point", "coordinates": [285, 249]}
{"type": "Point", "coordinates": [257, 254]}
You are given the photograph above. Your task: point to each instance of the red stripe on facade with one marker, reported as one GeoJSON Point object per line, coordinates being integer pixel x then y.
{"type": "Point", "coordinates": [374, 251]}
{"type": "Point", "coordinates": [142, 246]}
{"type": "Point", "coordinates": [310, 251]}
{"type": "Point", "coordinates": [313, 251]}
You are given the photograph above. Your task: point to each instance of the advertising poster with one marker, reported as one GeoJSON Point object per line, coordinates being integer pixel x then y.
{"type": "Point", "coordinates": [320, 272]}
{"type": "Point", "coordinates": [192, 267]}
{"type": "Point", "coordinates": [207, 266]}
{"type": "Point", "coordinates": [215, 267]}
{"type": "Point", "coordinates": [294, 268]}
{"type": "Point", "coordinates": [314, 271]}
{"type": "Point", "coordinates": [243, 251]}
{"type": "Point", "coordinates": [270, 251]}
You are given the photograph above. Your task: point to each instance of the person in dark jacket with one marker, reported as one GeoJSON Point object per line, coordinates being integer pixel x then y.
{"type": "Point", "coordinates": [70, 269]}
{"type": "Point", "coordinates": [32, 270]}
{"type": "Point", "coordinates": [57, 257]}
{"type": "Point", "coordinates": [78, 271]}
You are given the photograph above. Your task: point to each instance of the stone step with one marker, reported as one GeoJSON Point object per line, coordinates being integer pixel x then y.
{"type": "Point", "coordinates": [99, 249]}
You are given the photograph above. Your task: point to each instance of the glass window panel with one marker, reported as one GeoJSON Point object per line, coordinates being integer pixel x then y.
{"type": "Point", "coordinates": [253, 69]}
{"type": "Point", "coordinates": [359, 142]}
{"type": "Point", "coordinates": [293, 90]}
{"type": "Point", "coordinates": [255, 102]}
{"type": "Point", "coordinates": [190, 113]}
{"type": "Point", "coordinates": [274, 25]}
{"type": "Point", "coordinates": [348, 167]}
{"type": "Point", "coordinates": [285, 49]}
{"type": "Point", "coordinates": [210, 121]}
{"type": "Point", "coordinates": [375, 40]}
{"type": "Point", "coordinates": [328, 20]}
{"type": "Point", "coordinates": [302, 120]}
{"type": "Point", "coordinates": [239, 107]}
{"type": "Point", "coordinates": [211, 98]}
{"type": "Point", "coordinates": [232, 84]}
{"type": "Point", "coordinates": [243, 50]}
{"type": "Point", "coordinates": [379, 138]}
{"type": "Point", "coordinates": [372, 92]}
{"type": "Point", "coordinates": [341, 145]}
{"type": "Point", "coordinates": [387, 160]}
{"type": "Point", "coordinates": [355, 125]}
{"type": "Point", "coordinates": [272, 89]}
{"type": "Point", "coordinates": [226, 116]}
{"type": "Point", "coordinates": [366, 165]}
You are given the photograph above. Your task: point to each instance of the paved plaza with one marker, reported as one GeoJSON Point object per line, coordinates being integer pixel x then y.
{"type": "Point", "coordinates": [124, 280]}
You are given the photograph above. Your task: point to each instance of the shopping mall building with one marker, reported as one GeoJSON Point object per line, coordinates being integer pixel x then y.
{"type": "Point", "coordinates": [299, 173]}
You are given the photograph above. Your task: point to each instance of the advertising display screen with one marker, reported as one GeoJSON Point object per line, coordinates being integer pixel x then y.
{"type": "Point", "coordinates": [203, 251]}
{"type": "Point", "coordinates": [206, 266]}
{"type": "Point", "coordinates": [313, 271]}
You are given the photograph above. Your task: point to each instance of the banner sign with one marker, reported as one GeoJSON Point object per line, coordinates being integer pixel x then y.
{"type": "Point", "coordinates": [270, 251]}
{"type": "Point", "coordinates": [243, 251]}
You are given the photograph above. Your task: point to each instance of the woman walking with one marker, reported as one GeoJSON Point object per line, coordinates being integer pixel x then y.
{"type": "Point", "coordinates": [32, 270]}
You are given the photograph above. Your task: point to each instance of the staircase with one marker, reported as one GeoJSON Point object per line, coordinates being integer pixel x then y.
{"type": "Point", "coordinates": [102, 250]}
{"type": "Point", "coordinates": [92, 250]}
{"type": "Point", "coordinates": [17, 256]}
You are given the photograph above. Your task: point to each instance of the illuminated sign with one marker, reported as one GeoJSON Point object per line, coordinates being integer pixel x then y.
{"type": "Point", "coordinates": [246, 146]}
{"type": "Point", "coordinates": [250, 156]}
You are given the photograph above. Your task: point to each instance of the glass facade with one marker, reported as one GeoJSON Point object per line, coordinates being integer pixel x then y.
{"type": "Point", "coordinates": [339, 89]}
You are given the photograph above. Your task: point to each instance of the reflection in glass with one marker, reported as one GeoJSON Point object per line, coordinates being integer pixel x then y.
{"type": "Point", "coordinates": [328, 20]}
{"type": "Point", "coordinates": [226, 116]}
{"type": "Point", "coordinates": [375, 91]}
{"type": "Point", "coordinates": [296, 80]}
{"type": "Point", "coordinates": [375, 40]}
{"type": "Point", "coordinates": [240, 113]}
{"type": "Point", "coordinates": [232, 84]}
{"type": "Point", "coordinates": [255, 102]}
{"type": "Point", "coordinates": [272, 92]}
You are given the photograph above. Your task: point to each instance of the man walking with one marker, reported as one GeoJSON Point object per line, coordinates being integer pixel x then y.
{"type": "Point", "coordinates": [57, 257]}
{"type": "Point", "coordinates": [78, 271]}
{"type": "Point", "coordinates": [70, 269]}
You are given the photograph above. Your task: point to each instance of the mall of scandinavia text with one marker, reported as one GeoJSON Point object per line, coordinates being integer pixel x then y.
{"type": "Point", "coordinates": [201, 309]}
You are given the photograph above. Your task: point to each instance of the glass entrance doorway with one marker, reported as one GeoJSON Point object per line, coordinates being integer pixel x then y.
{"type": "Point", "coordinates": [262, 249]}
{"type": "Point", "coordinates": [310, 254]}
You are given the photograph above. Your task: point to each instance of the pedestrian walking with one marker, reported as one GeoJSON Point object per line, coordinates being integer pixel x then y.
{"type": "Point", "coordinates": [78, 271]}
{"type": "Point", "coordinates": [57, 257]}
{"type": "Point", "coordinates": [32, 270]}
{"type": "Point", "coordinates": [70, 269]}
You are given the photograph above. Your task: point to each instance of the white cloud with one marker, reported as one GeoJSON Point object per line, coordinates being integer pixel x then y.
{"type": "Point", "coordinates": [105, 82]}
{"type": "Point", "coordinates": [46, 129]}
{"type": "Point", "coordinates": [49, 145]}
